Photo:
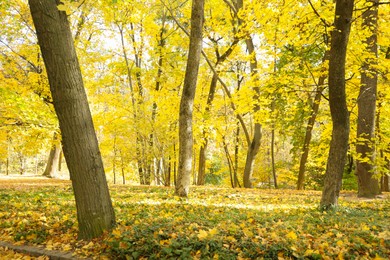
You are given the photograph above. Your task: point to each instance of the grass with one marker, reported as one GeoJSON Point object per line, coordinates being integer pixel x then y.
{"type": "Point", "coordinates": [213, 223]}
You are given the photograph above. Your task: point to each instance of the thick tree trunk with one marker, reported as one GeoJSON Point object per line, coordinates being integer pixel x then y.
{"type": "Point", "coordinates": [308, 134]}
{"type": "Point", "coordinates": [94, 208]}
{"type": "Point", "coordinates": [187, 100]}
{"type": "Point", "coordinates": [365, 148]}
{"type": "Point", "coordinates": [338, 105]}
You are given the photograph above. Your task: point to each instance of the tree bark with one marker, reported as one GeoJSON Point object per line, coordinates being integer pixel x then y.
{"type": "Point", "coordinates": [53, 160]}
{"type": "Point", "coordinates": [187, 100]}
{"type": "Point", "coordinates": [202, 163]}
{"type": "Point", "coordinates": [368, 186]}
{"type": "Point", "coordinates": [338, 105]}
{"type": "Point", "coordinates": [94, 208]}
{"type": "Point", "coordinates": [308, 134]}
{"type": "Point", "coordinates": [253, 147]}
{"type": "Point", "coordinates": [203, 147]}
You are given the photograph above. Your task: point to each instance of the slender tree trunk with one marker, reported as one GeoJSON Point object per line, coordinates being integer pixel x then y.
{"type": "Point", "coordinates": [368, 186]}
{"type": "Point", "coordinates": [174, 165]}
{"type": "Point", "coordinates": [8, 155]}
{"type": "Point", "coordinates": [53, 160]}
{"type": "Point", "coordinates": [308, 133]}
{"type": "Point", "coordinates": [60, 161]}
{"type": "Point", "coordinates": [229, 161]}
{"type": "Point", "coordinates": [273, 157]}
{"type": "Point", "coordinates": [202, 163]}
{"type": "Point", "coordinates": [141, 171]}
{"type": "Point", "coordinates": [21, 163]}
{"type": "Point", "coordinates": [338, 105]}
{"type": "Point", "coordinates": [123, 170]}
{"type": "Point", "coordinates": [236, 157]}
{"type": "Point", "coordinates": [7, 166]}
{"type": "Point", "coordinates": [210, 99]}
{"type": "Point", "coordinates": [94, 208]}
{"type": "Point", "coordinates": [168, 173]}
{"type": "Point", "coordinates": [253, 147]}
{"type": "Point", "coordinates": [187, 100]}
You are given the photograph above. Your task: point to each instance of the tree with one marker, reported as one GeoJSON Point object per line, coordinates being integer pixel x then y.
{"type": "Point", "coordinates": [187, 100]}
{"type": "Point", "coordinates": [308, 133]}
{"type": "Point", "coordinates": [54, 157]}
{"type": "Point", "coordinates": [338, 105]}
{"type": "Point", "coordinates": [368, 186]}
{"type": "Point", "coordinates": [253, 147]}
{"type": "Point", "coordinates": [94, 207]}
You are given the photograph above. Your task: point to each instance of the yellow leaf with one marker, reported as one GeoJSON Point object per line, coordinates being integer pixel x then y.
{"type": "Point", "coordinates": [202, 234]}
{"type": "Point", "coordinates": [292, 235]}
{"type": "Point", "coordinates": [31, 237]}
{"type": "Point", "coordinates": [213, 231]}
{"type": "Point", "coordinates": [89, 245]}
{"type": "Point", "coordinates": [365, 228]}
{"type": "Point", "coordinates": [309, 252]}
{"type": "Point", "coordinates": [116, 233]}
{"type": "Point", "coordinates": [67, 247]}
{"type": "Point", "coordinates": [339, 243]}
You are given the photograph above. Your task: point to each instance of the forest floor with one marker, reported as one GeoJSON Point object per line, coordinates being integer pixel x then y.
{"type": "Point", "coordinates": [213, 223]}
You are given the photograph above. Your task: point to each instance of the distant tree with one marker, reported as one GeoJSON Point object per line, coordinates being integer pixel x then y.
{"type": "Point", "coordinates": [254, 145]}
{"type": "Point", "coordinates": [187, 100]}
{"type": "Point", "coordinates": [54, 158]}
{"type": "Point", "coordinates": [94, 208]}
{"type": "Point", "coordinates": [368, 186]}
{"type": "Point", "coordinates": [338, 105]}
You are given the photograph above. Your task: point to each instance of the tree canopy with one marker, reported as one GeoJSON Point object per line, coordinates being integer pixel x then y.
{"type": "Point", "coordinates": [133, 56]}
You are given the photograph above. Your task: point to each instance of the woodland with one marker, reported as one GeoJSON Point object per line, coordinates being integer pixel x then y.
{"type": "Point", "coordinates": [182, 124]}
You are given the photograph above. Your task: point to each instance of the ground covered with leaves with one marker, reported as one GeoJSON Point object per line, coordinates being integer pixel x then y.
{"type": "Point", "coordinates": [213, 223]}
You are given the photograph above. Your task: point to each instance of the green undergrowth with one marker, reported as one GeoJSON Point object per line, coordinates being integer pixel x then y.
{"type": "Point", "coordinates": [212, 223]}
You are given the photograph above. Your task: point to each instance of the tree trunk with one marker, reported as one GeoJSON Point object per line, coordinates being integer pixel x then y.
{"type": "Point", "coordinates": [123, 170]}
{"type": "Point", "coordinates": [202, 163]}
{"type": "Point", "coordinates": [273, 157]}
{"type": "Point", "coordinates": [385, 183]}
{"type": "Point", "coordinates": [229, 161]}
{"type": "Point", "coordinates": [94, 208]}
{"type": "Point", "coordinates": [168, 173]}
{"type": "Point", "coordinates": [53, 160]}
{"type": "Point", "coordinates": [253, 147]}
{"type": "Point", "coordinates": [365, 147]}
{"type": "Point", "coordinates": [210, 99]}
{"type": "Point", "coordinates": [60, 161]}
{"type": "Point", "coordinates": [338, 105]}
{"type": "Point", "coordinates": [187, 100]}
{"type": "Point", "coordinates": [236, 156]}
{"type": "Point", "coordinates": [308, 134]}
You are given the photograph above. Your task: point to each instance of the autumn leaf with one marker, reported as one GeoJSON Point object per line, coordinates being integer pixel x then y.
{"type": "Point", "coordinates": [292, 235]}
